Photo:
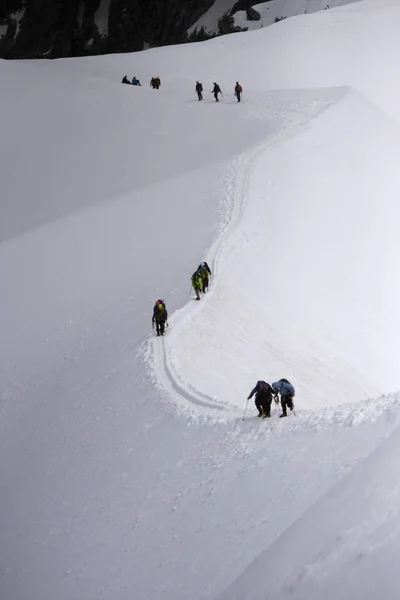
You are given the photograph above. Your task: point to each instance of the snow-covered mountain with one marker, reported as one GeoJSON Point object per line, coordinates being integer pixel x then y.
{"type": "Point", "coordinates": [127, 470]}
{"type": "Point", "coordinates": [60, 28]}
{"type": "Point", "coordinates": [261, 15]}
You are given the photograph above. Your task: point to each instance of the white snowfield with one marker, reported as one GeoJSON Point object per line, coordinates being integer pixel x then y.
{"type": "Point", "coordinates": [126, 468]}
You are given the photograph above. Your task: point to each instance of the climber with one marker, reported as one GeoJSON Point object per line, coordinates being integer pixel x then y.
{"type": "Point", "coordinates": [287, 392]}
{"type": "Point", "coordinates": [160, 317]}
{"type": "Point", "coordinates": [205, 273]}
{"type": "Point", "coordinates": [197, 283]}
{"type": "Point", "coordinates": [199, 90]}
{"type": "Point", "coordinates": [136, 81]}
{"type": "Point", "coordinates": [216, 90]}
{"type": "Point", "coordinates": [238, 91]}
{"type": "Point", "coordinates": [125, 80]}
{"type": "Point", "coordinates": [155, 83]}
{"type": "Point", "coordinates": [263, 399]}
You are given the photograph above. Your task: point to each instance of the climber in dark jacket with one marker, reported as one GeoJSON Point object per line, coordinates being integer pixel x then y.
{"type": "Point", "coordinates": [125, 80]}
{"type": "Point", "coordinates": [216, 90]}
{"type": "Point", "coordinates": [205, 273]}
{"type": "Point", "coordinates": [199, 90]}
{"type": "Point", "coordinates": [155, 83]}
{"type": "Point", "coordinates": [263, 399]}
{"type": "Point", "coordinates": [160, 317]}
{"type": "Point", "coordinates": [238, 91]}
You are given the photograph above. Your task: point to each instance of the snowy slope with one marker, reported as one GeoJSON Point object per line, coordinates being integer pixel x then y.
{"type": "Point", "coordinates": [334, 547]}
{"type": "Point", "coordinates": [126, 469]}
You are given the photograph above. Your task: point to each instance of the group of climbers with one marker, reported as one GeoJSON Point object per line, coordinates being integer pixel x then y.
{"type": "Point", "coordinates": [217, 90]}
{"type": "Point", "coordinates": [134, 81]}
{"type": "Point", "coordinates": [200, 282]}
{"type": "Point", "coordinates": [265, 393]}
{"type": "Point", "coordinates": [155, 82]}
{"type": "Point", "coordinates": [201, 279]}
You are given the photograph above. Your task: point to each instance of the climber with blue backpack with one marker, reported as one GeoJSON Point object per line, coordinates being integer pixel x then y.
{"type": "Point", "coordinates": [287, 392]}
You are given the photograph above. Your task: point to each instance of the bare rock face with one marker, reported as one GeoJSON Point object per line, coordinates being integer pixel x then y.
{"type": "Point", "coordinates": [59, 28]}
{"type": "Point", "coordinates": [246, 5]}
{"type": "Point", "coordinates": [253, 15]}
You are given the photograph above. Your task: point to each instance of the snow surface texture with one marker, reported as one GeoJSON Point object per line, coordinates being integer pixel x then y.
{"type": "Point", "coordinates": [126, 468]}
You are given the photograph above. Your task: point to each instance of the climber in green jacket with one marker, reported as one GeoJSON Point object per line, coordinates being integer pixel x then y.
{"type": "Point", "coordinates": [197, 283]}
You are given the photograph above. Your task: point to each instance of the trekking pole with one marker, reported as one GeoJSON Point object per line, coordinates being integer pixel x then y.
{"type": "Point", "coordinates": [245, 410]}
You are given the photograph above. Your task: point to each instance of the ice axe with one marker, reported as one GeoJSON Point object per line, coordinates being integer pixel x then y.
{"type": "Point", "coordinates": [245, 410]}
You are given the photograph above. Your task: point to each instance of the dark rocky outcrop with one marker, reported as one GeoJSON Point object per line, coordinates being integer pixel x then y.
{"type": "Point", "coordinates": [245, 5]}
{"type": "Point", "coordinates": [226, 24]}
{"type": "Point", "coordinates": [252, 15]}
{"type": "Point", "coordinates": [57, 28]}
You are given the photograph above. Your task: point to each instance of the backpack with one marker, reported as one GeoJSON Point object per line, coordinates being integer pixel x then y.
{"type": "Point", "coordinates": [264, 386]}
{"type": "Point", "coordinates": [197, 279]}
{"type": "Point", "coordinates": [289, 389]}
{"type": "Point", "coordinates": [160, 307]}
